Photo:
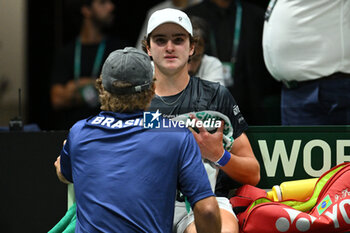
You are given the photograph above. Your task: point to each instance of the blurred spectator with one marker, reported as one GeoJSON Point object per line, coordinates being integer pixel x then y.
{"type": "Point", "coordinates": [235, 38]}
{"type": "Point", "coordinates": [176, 4]}
{"type": "Point", "coordinates": [78, 64]}
{"type": "Point", "coordinates": [306, 47]}
{"type": "Point", "coordinates": [202, 65]}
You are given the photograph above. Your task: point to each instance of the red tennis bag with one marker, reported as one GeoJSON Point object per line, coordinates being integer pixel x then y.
{"type": "Point", "coordinates": [326, 211]}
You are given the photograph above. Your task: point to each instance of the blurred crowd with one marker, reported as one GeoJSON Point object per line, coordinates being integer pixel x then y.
{"type": "Point", "coordinates": [284, 62]}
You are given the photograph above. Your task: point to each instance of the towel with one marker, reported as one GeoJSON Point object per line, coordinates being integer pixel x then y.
{"type": "Point", "coordinates": [67, 223]}
{"type": "Point", "coordinates": [212, 116]}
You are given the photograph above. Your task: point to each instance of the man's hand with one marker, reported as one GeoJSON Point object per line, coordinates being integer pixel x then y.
{"type": "Point", "coordinates": [67, 95]}
{"type": "Point", "coordinates": [210, 144]}
{"type": "Point", "coordinates": [58, 171]}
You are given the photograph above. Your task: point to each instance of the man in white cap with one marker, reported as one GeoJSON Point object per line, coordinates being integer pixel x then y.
{"type": "Point", "coordinates": [169, 42]}
{"type": "Point", "coordinates": [115, 162]}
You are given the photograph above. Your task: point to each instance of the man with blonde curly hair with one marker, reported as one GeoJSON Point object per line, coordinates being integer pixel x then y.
{"type": "Point", "coordinates": [125, 175]}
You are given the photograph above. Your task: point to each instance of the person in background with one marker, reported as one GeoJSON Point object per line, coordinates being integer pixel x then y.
{"type": "Point", "coordinates": [202, 65]}
{"type": "Point", "coordinates": [176, 4]}
{"type": "Point", "coordinates": [78, 64]}
{"type": "Point", "coordinates": [122, 181]}
{"type": "Point", "coordinates": [170, 44]}
{"type": "Point", "coordinates": [306, 47]}
{"type": "Point", "coordinates": [235, 38]}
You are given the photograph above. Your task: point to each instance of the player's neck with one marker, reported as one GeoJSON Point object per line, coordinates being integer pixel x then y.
{"type": "Point", "coordinates": [167, 84]}
{"type": "Point", "coordinates": [90, 34]}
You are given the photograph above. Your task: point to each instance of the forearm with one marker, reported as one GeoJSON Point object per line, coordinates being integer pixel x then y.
{"type": "Point", "coordinates": [243, 166]}
{"type": "Point", "coordinates": [59, 174]}
{"type": "Point", "coordinates": [245, 170]}
{"type": "Point", "coordinates": [207, 216]}
{"type": "Point", "coordinates": [62, 178]}
{"type": "Point", "coordinates": [63, 96]}
{"type": "Point", "coordinates": [68, 95]}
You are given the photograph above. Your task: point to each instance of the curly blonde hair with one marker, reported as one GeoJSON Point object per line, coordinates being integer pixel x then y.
{"type": "Point", "coordinates": [126, 102]}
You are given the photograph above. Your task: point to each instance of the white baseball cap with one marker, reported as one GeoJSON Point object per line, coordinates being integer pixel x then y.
{"type": "Point", "coordinates": [169, 15]}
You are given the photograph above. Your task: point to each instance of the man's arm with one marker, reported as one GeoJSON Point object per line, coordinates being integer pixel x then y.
{"type": "Point", "coordinates": [58, 171]}
{"type": "Point", "coordinates": [243, 166]}
{"type": "Point", "coordinates": [207, 215]}
{"type": "Point", "coordinates": [67, 95]}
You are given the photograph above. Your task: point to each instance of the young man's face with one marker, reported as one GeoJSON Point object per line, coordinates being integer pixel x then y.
{"type": "Point", "coordinates": [170, 47]}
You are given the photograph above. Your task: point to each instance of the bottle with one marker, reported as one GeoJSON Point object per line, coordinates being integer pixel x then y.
{"type": "Point", "coordinates": [296, 189]}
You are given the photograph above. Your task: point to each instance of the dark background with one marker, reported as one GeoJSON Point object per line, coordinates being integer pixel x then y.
{"type": "Point", "coordinates": [50, 26]}
{"type": "Point", "coordinates": [33, 200]}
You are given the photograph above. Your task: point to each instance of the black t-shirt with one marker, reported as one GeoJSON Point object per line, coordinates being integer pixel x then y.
{"type": "Point", "coordinates": [63, 71]}
{"type": "Point", "coordinates": [200, 95]}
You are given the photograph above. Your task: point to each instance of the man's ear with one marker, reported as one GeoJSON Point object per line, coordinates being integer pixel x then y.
{"type": "Point", "coordinates": [148, 51]}
{"type": "Point", "coordinates": [192, 47]}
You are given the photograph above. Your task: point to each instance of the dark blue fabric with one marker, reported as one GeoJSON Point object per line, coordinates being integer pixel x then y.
{"type": "Point", "coordinates": [125, 177]}
{"type": "Point", "coordinates": [322, 102]}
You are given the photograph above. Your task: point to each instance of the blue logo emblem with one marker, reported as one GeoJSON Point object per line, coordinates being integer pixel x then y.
{"type": "Point", "coordinates": [151, 119]}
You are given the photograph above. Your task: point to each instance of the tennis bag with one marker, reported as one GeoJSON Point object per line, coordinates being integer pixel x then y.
{"type": "Point", "coordinates": [327, 210]}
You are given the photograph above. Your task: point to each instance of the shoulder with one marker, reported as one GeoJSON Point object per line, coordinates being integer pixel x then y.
{"type": "Point", "coordinates": [207, 90]}
{"type": "Point", "coordinates": [202, 83]}
{"type": "Point", "coordinates": [208, 94]}
{"type": "Point", "coordinates": [75, 130]}
{"type": "Point", "coordinates": [78, 125]}
{"type": "Point", "coordinates": [211, 60]}
{"type": "Point", "coordinates": [209, 87]}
